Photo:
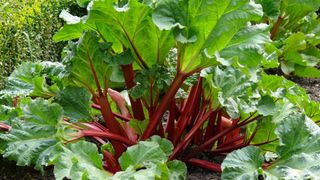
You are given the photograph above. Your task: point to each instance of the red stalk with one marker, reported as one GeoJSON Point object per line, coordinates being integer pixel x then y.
{"type": "Point", "coordinates": [276, 27]}
{"type": "Point", "coordinates": [263, 143]}
{"type": "Point", "coordinates": [157, 115]}
{"type": "Point", "coordinates": [108, 135]}
{"type": "Point", "coordinates": [232, 141]}
{"type": "Point", "coordinates": [219, 127]}
{"type": "Point", "coordinates": [4, 127]}
{"type": "Point", "coordinates": [101, 141]}
{"type": "Point", "coordinates": [228, 148]}
{"type": "Point", "coordinates": [129, 80]}
{"type": "Point", "coordinates": [205, 164]}
{"type": "Point", "coordinates": [190, 110]}
{"type": "Point", "coordinates": [235, 133]}
{"type": "Point", "coordinates": [209, 142]}
{"type": "Point", "coordinates": [111, 162]}
{"type": "Point", "coordinates": [112, 124]}
{"type": "Point", "coordinates": [96, 106]}
{"type": "Point", "coordinates": [170, 126]}
{"type": "Point", "coordinates": [210, 129]}
{"type": "Point", "coordinates": [190, 135]}
{"type": "Point", "coordinates": [106, 112]}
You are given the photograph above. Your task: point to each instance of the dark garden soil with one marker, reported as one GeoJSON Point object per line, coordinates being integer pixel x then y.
{"type": "Point", "coordinates": [9, 171]}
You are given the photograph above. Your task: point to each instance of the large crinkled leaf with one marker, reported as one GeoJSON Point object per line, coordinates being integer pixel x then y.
{"type": "Point", "coordinates": [30, 138]}
{"type": "Point", "coordinates": [206, 27]}
{"type": "Point", "coordinates": [149, 160]}
{"type": "Point", "coordinates": [130, 23]}
{"type": "Point", "coordinates": [247, 46]}
{"type": "Point", "coordinates": [143, 153]}
{"type": "Point", "coordinates": [35, 79]}
{"type": "Point", "coordinates": [242, 164]}
{"type": "Point", "coordinates": [297, 135]}
{"type": "Point", "coordinates": [75, 102]}
{"type": "Point", "coordinates": [79, 160]}
{"type": "Point", "coordinates": [280, 87]}
{"type": "Point", "coordinates": [154, 171]}
{"type": "Point", "coordinates": [295, 10]}
{"type": "Point", "coordinates": [235, 91]}
{"type": "Point", "coordinates": [298, 151]}
{"type": "Point", "coordinates": [271, 8]}
{"type": "Point", "coordinates": [78, 61]}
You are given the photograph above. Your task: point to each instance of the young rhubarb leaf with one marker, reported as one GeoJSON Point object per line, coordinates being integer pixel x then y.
{"type": "Point", "coordinates": [76, 103]}
{"type": "Point", "coordinates": [79, 160]}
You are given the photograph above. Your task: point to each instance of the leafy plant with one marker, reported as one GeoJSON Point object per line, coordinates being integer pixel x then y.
{"type": "Point", "coordinates": [191, 82]}
{"type": "Point", "coordinates": [297, 154]}
{"type": "Point", "coordinates": [295, 35]}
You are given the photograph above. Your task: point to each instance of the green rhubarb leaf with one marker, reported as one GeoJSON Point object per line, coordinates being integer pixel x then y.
{"type": "Point", "coordinates": [177, 170]}
{"type": "Point", "coordinates": [297, 135]}
{"type": "Point", "coordinates": [305, 71]}
{"type": "Point", "coordinates": [35, 79]}
{"type": "Point", "coordinates": [266, 106]}
{"type": "Point", "coordinates": [149, 160]}
{"type": "Point", "coordinates": [264, 132]}
{"type": "Point", "coordinates": [31, 138]}
{"type": "Point", "coordinates": [143, 153]}
{"type": "Point", "coordinates": [235, 91]}
{"type": "Point", "coordinates": [83, 3]}
{"type": "Point", "coordinates": [295, 10]}
{"type": "Point", "coordinates": [271, 8]}
{"type": "Point", "coordinates": [75, 102]}
{"type": "Point", "coordinates": [298, 153]}
{"type": "Point", "coordinates": [247, 46]}
{"type": "Point", "coordinates": [8, 113]}
{"type": "Point", "coordinates": [157, 77]}
{"type": "Point", "coordinates": [77, 61]}
{"type": "Point", "coordinates": [79, 160]}
{"type": "Point", "coordinates": [130, 23]}
{"type": "Point", "coordinates": [298, 150]}
{"type": "Point", "coordinates": [242, 164]}
{"type": "Point", "coordinates": [206, 27]}
{"type": "Point", "coordinates": [165, 145]}
{"type": "Point", "coordinates": [69, 32]}
{"type": "Point", "coordinates": [154, 171]}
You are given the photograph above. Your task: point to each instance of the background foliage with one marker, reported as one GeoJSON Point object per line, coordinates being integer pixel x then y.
{"type": "Point", "coordinates": [26, 30]}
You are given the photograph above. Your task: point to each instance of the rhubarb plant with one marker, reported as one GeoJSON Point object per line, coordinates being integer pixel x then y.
{"type": "Point", "coordinates": [295, 34]}
{"type": "Point", "coordinates": [147, 86]}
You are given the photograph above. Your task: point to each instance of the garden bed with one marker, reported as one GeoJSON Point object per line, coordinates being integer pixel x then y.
{"type": "Point", "coordinates": [9, 171]}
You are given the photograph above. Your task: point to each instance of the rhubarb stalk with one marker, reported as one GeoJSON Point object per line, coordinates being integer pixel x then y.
{"type": "Point", "coordinates": [157, 115]}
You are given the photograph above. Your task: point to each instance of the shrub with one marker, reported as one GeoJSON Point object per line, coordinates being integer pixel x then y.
{"type": "Point", "coordinates": [26, 30]}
